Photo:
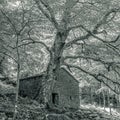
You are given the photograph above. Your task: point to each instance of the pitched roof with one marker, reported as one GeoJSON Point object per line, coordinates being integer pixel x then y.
{"type": "Point", "coordinates": [67, 71]}
{"type": "Point", "coordinates": [42, 74]}
{"type": "Point", "coordinates": [30, 77]}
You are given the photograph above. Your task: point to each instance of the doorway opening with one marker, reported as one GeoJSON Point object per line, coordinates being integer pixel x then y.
{"type": "Point", "coordinates": [55, 98]}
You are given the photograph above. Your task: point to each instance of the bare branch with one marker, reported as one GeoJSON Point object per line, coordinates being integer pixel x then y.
{"type": "Point", "coordinates": [23, 27]}
{"type": "Point", "coordinates": [66, 14]}
{"type": "Point", "coordinates": [4, 53]}
{"type": "Point", "coordinates": [103, 76]}
{"type": "Point", "coordinates": [74, 27]}
{"type": "Point", "coordinates": [104, 19]}
{"type": "Point", "coordinates": [92, 34]}
{"type": "Point", "coordinates": [33, 42]}
{"type": "Point", "coordinates": [10, 21]}
{"type": "Point", "coordinates": [117, 72]}
{"type": "Point", "coordinates": [50, 17]}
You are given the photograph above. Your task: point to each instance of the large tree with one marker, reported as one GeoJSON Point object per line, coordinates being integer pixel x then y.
{"type": "Point", "coordinates": [89, 30]}
{"type": "Point", "coordinates": [81, 35]}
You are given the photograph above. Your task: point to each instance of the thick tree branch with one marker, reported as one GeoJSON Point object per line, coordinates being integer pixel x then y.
{"type": "Point", "coordinates": [66, 14]}
{"type": "Point", "coordinates": [90, 58]}
{"type": "Point", "coordinates": [101, 22]}
{"type": "Point", "coordinates": [96, 76]}
{"type": "Point", "coordinates": [107, 43]}
{"type": "Point", "coordinates": [52, 15]}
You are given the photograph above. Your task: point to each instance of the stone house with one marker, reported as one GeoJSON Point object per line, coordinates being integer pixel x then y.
{"type": "Point", "coordinates": [31, 87]}
{"type": "Point", "coordinates": [65, 92]}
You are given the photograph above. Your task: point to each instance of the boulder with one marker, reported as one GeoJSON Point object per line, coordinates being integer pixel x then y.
{"type": "Point", "coordinates": [57, 117]}
{"type": "Point", "coordinates": [6, 89]}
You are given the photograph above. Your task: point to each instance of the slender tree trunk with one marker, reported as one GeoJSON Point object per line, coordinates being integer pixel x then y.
{"type": "Point", "coordinates": [100, 95]}
{"type": "Point", "coordinates": [80, 91]}
{"type": "Point", "coordinates": [18, 77]}
{"type": "Point", "coordinates": [117, 96]}
{"type": "Point", "coordinates": [108, 100]}
{"type": "Point", "coordinates": [103, 99]}
{"type": "Point", "coordinates": [91, 96]}
{"type": "Point", "coordinates": [117, 102]}
{"type": "Point", "coordinates": [99, 100]}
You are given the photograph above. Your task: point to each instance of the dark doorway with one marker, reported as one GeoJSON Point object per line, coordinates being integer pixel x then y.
{"type": "Point", "coordinates": [55, 98]}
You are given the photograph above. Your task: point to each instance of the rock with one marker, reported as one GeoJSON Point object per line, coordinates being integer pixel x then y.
{"type": "Point", "coordinates": [3, 116]}
{"type": "Point", "coordinates": [93, 115]}
{"type": "Point", "coordinates": [6, 89]}
{"type": "Point", "coordinates": [9, 118]}
{"type": "Point", "coordinates": [57, 117]}
{"type": "Point", "coordinates": [7, 108]}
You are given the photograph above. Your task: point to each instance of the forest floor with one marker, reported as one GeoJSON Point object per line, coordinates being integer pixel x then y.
{"type": "Point", "coordinates": [103, 113]}
{"type": "Point", "coordinates": [32, 110]}
{"type": "Point", "coordinates": [114, 112]}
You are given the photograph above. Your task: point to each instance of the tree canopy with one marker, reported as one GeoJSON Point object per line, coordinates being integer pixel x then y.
{"type": "Point", "coordinates": [81, 35]}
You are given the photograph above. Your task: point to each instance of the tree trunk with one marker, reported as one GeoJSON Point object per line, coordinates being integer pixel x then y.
{"type": "Point", "coordinates": [58, 46]}
{"type": "Point", "coordinates": [55, 62]}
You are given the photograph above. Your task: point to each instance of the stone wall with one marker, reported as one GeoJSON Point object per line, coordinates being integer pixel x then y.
{"type": "Point", "coordinates": [67, 88]}
{"type": "Point", "coordinates": [31, 87]}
